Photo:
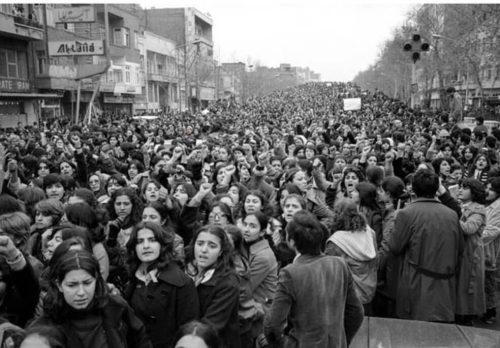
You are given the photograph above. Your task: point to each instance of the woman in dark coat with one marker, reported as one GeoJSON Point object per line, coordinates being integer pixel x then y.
{"type": "Point", "coordinates": [84, 314]}
{"type": "Point", "coordinates": [210, 265]}
{"type": "Point", "coordinates": [160, 293]}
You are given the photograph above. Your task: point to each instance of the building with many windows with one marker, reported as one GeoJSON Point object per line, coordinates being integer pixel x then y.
{"type": "Point", "coordinates": [20, 99]}
{"type": "Point", "coordinates": [191, 30]}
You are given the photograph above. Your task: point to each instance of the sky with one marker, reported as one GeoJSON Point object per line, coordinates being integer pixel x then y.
{"type": "Point", "coordinates": [338, 39]}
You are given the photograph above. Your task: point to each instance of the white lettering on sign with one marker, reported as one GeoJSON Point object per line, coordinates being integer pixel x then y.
{"type": "Point", "coordinates": [14, 85]}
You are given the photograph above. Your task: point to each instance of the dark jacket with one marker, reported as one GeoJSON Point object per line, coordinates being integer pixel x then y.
{"type": "Point", "coordinates": [317, 299]}
{"type": "Point", "coordinates": [164, 306]}
{"type": "Point", "coordinates": [219, 303]}
{"type": "Point", "coordinates": [122, 329]}
{"type": "Point", "coordinates": [428, 236]}
{"type": "Point", "coordinates": [21, 294]}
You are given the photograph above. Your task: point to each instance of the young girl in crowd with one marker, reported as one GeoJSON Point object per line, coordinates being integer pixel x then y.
{"type": "Point", "coordinates": [209, 263]}
{"type": "Point", "coordinates": [160, 293]}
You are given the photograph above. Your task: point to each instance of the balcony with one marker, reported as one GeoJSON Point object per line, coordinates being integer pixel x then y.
{"type": "Point", "coordinates": [162, 77]}
{"type": "Point", "coordinates": [20, 27]}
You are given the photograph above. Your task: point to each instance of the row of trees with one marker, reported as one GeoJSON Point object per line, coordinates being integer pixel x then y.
{"type": "Point", "coordinates": [465, 50]}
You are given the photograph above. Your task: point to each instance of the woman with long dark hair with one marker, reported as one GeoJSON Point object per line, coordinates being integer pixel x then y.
{"type": "Point", "coordinates": [85, 315]}
{"type": "Point", "coordinates": [160, 293]}
{"type": "Point", "coordinates": [209, 262]}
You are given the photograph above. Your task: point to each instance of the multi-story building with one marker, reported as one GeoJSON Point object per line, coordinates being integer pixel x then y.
{"type": "Point", "coordinates": [98, 41]}
{"type": "Point", "coordinates": [192, 32]}
{"type": "Point", "coordinates": [162, 73]}
{"type": "Point", "coordinates": [231, 81]}
{"type": "Point", "coordinates": [19, 98]}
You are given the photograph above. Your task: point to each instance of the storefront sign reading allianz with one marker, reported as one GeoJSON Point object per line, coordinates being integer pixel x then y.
{"type": "Point", "coordinates": [76, 48]}
{"type": "Point", "coordinates": [14, 85]}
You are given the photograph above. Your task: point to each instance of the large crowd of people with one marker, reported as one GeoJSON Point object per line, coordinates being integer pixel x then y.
{"type": "Point", "coordinates": [279, 222]}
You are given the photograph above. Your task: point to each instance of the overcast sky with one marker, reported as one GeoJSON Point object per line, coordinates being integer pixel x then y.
{"type": "Point", "coordinates": [335, 38]}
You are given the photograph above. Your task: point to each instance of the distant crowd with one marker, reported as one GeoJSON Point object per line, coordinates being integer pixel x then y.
{"type": "Point", "coordinates": [280, 222]}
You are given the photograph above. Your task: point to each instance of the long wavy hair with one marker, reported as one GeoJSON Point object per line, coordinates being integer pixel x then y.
{"type": "Point", "coordinates": [347, 217]}
{"type": "Point", "coordinates": [137, 206]}
{"type": "Point", "coordinates": [165, 239]}
{"type": "Point", "coordinates": [225, 260]}
{"type": "Point", "coordinates": [55, 305]}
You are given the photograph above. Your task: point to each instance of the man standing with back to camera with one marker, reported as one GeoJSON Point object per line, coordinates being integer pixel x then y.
{"type": "Point", "coordinates": [315, 297]}
{"type": "Point", "coordinates": [428, 236]}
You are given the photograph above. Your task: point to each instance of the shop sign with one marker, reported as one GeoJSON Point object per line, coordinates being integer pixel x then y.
{"type": "Point", "coordinates": [76, 48]}
{"type": "Point", "coordinates": [74, 14]}
{"type": "Point", "coordinates": [118, 99]}
{"type": "Point", "coordinates": [13, 85]}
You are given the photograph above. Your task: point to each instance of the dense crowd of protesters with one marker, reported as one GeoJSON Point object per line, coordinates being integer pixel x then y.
{"type": "Point", "coordinates": [281, 221]}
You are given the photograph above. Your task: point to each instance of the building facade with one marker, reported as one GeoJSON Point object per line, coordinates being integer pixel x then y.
{"type": "Point", "coordinates": [162, 73]}
{"type": "Point", "coordinates": [20, 99]}
{"type": "Point", "coordinates": [191, 30]}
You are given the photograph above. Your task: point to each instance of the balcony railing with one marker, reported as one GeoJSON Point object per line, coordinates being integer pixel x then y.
{"type": "Point", "coordinates": [27, 22]}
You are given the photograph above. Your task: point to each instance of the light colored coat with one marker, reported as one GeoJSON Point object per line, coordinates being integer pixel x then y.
{"type": "Point", "coordinates": [470, 286]}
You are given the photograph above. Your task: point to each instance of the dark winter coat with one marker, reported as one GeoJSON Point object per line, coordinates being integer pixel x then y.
{"type": "Point", "coordinates": [117, 321]}
{"type": "Point", "coordinates": [219, 303]}
{"type": "Point", "coordinates": [428, 236]}
{"type": "Point", "coordinates": [165, 305]}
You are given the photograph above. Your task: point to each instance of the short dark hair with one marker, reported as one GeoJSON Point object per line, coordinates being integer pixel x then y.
{"type": "Point", "coordinates": [307, 233]}
{"type": "Point", "coordinates": [425, 183]}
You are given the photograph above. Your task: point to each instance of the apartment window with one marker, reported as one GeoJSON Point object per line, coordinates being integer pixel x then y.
{"type": "Point", "coordinates": [41, 59]}
{"type": "Point", "coordinates": [127, 74]}
{"type": "Point", "coordinates": [118, 76]}
{"type": "Point", "coordinates": [498, 72]}
{"type": "Point", "coordinates": [13, 64]}
{"type": "Point", "coordinates": [488, 74]}
{"type": "Point", "coordinates": [66, 26]}
{"type": "Point", "coordinates": [121, 37]}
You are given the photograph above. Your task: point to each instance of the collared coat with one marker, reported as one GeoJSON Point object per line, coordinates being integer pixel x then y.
{"type": "Point", "coordinates": [219, 304]}
{"type": "Point", "coordinates": [428, 236]}
{"type": "Point", "coordinates": [121, 327]}
{"type": "Point", "coordinates": [263, 272]}
{"type": "Point", "coordinates": [316, 297]}
{"type": "Point", "coordinates": [165, 305]}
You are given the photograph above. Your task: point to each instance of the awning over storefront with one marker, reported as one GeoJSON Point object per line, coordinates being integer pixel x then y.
{"type": "Point", "coordinates": [30, 95]}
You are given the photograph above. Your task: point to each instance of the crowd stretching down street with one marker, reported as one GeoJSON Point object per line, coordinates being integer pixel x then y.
{"type": "Point", "coordinates": [284, 221]}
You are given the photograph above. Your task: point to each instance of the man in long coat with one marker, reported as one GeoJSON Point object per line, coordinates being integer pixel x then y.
{"type": "Point", "coordinates": [428, 237]}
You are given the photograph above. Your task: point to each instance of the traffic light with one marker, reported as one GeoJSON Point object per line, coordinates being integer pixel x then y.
{"type": "Point", "coordinates": [415, 56]}
{"type": "Point", "coordinates": [415, 47]}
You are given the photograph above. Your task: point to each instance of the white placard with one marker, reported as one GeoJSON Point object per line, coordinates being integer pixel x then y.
{"type": "Point", "coordinates": [352, 104]}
